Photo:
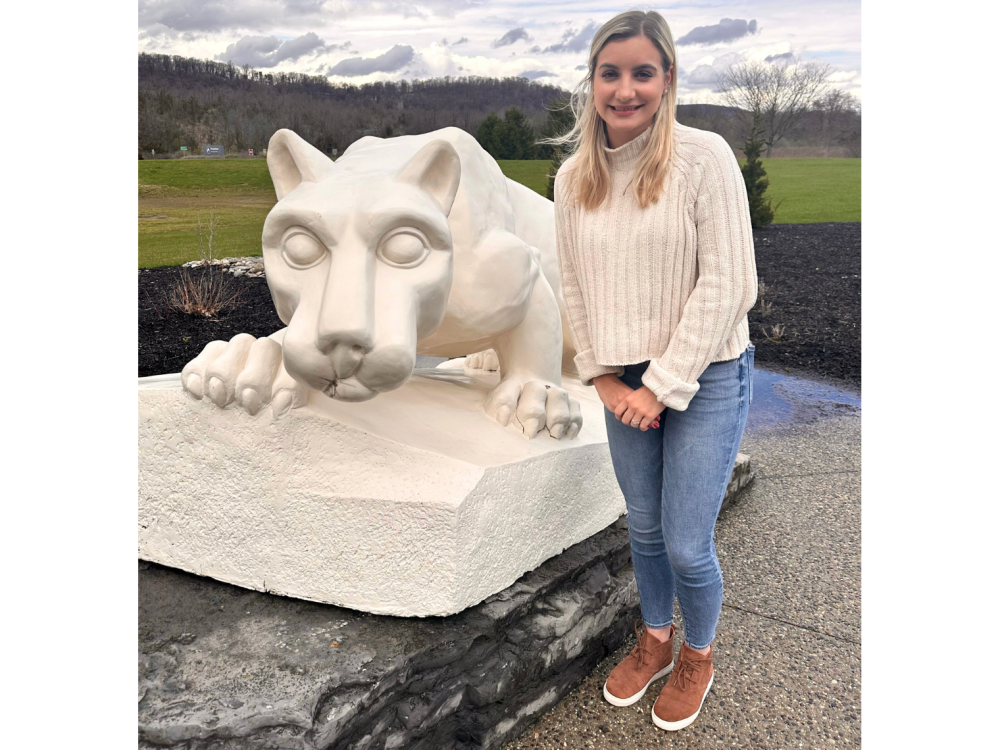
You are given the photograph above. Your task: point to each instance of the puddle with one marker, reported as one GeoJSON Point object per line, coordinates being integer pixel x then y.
{"type": "Point", "coordinates": [782, 399]}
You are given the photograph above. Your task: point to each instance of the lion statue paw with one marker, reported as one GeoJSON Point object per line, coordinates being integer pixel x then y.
{"type": "Point", "coordinates": [244, 371]}
{"type": "Point", "coordinates": [535, 405]}
{"type": "Point", "coordinates": [486, 361]}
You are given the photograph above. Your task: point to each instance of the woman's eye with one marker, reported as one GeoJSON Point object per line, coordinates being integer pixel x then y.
{"type": "Point", "coordinates": [303, 251]}
{"type": "Point", "coordinates": [403, 248]}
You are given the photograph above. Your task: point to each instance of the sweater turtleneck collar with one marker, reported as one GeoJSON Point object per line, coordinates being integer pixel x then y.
{"type": "Point", "coordinates": [624, 158]}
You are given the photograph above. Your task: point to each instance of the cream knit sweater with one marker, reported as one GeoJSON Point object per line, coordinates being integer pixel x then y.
{"type": "Point", "coordinates": [671, 283]}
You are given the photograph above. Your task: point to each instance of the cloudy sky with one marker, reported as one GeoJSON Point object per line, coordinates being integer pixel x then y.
{"type": "Point", "coordinates": [352, 41]}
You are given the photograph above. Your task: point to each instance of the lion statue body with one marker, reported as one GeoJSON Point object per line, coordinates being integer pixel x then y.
{"type": "Point", "coordinates": [403, 246]}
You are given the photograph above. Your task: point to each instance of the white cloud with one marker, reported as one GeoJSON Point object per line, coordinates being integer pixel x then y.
{"type": "Point", "coordinates": [209, 15]}
{"type": "Point", "coordinates": [394, 59]}
{"type": "Point", "coordinates": [575, 40]}
{"type": "Point", "coordinates": [726, 30]}
{"type": "Point", "coordinates": [534, 75]}
{"type": "Point", "coordinates": [705, 74]}
{"type": "Point", "coordinates": [268, 51]}
{"type": "Point", "coordinates": [514, 35]}
{"type": "Point", "coordinates": [455, 37]}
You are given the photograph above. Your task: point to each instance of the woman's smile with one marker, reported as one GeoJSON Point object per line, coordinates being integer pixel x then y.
{"type": "Point", "coordinates": [623, 111]}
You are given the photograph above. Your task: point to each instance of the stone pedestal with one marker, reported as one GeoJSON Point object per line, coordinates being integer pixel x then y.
{"type": "Point", "coordinates": [221, 667]}
{"type": "Point", "coordinates": [414, 503]}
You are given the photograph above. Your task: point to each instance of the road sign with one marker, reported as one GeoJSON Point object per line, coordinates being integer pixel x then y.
{"type": "Point", "coordinates": [184, 148]}
{"type": "Point", "coordinates": [214, 151]}
{"type": "Point", "coordinates": [335, 152]}
{"type": "Point", "coordinates": [250, 152]}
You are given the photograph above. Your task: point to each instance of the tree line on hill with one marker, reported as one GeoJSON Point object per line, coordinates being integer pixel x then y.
{"type": "Point", "coordinates": [191, 102]}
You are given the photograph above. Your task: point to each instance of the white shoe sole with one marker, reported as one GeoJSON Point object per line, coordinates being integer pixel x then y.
{"type": "Point", "coordinates": [673, 726]}
{"type": "Point", "coordinates": [629, 701]}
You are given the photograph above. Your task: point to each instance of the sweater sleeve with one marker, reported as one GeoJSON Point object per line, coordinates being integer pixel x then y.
{"type": "Point", "coordinates": [726, 287]}
{"type": "Point", "coordinates": [586, 363]}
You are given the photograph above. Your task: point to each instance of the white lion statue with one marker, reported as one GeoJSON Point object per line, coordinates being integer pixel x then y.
{"type": "Point", "coordinates": [404, 246]}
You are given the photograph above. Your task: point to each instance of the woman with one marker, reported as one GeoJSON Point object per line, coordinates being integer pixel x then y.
{"type": "Point", "coordinates": [657, 266]}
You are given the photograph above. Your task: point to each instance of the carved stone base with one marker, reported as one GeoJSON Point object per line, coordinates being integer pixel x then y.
{"type": "Point", "coordinates": [413, 503]}
{"type": "Point", "coordinates": [223, 667]}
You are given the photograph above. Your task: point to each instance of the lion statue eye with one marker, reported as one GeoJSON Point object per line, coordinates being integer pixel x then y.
{"type": "Point", "coordinates": [404, 247]}
{"type": "Point", "coordinates": [303, 251]}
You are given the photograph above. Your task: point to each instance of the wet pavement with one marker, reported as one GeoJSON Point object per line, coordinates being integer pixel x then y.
{"type": "Point", "coordinates": [788, 645]}
{"type": "Point", "coordinates": [784, 399]}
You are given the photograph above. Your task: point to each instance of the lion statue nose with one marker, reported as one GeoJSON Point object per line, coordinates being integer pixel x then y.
{"type": "Point", "coordinates": [346, 359]}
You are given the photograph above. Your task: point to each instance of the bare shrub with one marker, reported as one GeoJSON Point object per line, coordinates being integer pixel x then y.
{"type": "Point", "coordinates": [774, 333]}
{"type": "Point", "coordinates": [765, 308]}
{"type": "Point", "coordinates": [206, 294]}
{"type": "Point", "coordinates": [209, 292]}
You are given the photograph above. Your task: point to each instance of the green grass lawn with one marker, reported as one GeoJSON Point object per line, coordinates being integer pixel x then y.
{"type": "Point", "coordinates": [814, 190]}
{"type": "Point", "coordinates": [530, 173]}
{"type": "Point", "coordinates": [229, 175]}
{"type": "Point", "coordinates": [174, 194]}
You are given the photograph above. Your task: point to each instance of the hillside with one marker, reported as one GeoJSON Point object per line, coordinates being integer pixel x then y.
{"type": "Point", "coordinates": [191, 102]}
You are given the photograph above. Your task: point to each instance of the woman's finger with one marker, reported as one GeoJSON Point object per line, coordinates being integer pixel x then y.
{"type": "Point", "coordinates": [621, 407]}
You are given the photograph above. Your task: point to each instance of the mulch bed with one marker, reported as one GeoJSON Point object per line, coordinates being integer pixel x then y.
{"type": "Point", "coordinates": [168, 340]}
{"type": "Point", "coordinates": [809, 273]}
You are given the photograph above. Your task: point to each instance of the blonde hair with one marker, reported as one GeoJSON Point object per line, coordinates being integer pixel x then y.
{"type": "Point", "coordinates": [587, 138]}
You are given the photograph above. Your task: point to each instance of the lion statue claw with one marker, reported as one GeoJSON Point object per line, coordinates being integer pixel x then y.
{"type": "Point", "coordinates": [404, 246]}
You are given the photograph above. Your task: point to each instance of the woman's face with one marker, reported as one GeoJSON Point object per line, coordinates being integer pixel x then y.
{"type": "Point", "coordinates": [629, 83]}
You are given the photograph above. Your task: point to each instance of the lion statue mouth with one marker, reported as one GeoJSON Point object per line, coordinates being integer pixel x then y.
{"type": "Point", "coordinates": [348, 389]}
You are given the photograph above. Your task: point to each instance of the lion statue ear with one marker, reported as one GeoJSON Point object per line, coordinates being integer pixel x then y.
{"type": "Point", "coordinates": [436, 169]}
{"type": "Point", "coordinates": [291, 160]}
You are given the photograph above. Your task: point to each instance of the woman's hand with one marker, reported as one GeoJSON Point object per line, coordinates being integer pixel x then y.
{"type": "Point", "coordinates": [611, 390]}
{"type": "Point", "coordinates": [639, 405]}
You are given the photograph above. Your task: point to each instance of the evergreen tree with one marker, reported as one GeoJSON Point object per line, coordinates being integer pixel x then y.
{"type": "Point", "coordinates": [559, 122]}
{"type": "Point", "coordinates": [488, 135]}
{"type": "Point", "coordinates": [761, 212]}
{"type": "Point", "coordinates": [517, 137]}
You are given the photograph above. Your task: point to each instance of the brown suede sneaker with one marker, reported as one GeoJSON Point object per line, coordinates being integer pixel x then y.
{"type": "Point", "coordinates": [650, 660]}
{"type": "Point", "coordinates": [680, 700]}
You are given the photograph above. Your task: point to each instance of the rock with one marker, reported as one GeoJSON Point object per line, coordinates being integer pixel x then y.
{"type": "Point", "coordinates": [742, 475]}
{"type": "Point", "coordinates": [261, 670]}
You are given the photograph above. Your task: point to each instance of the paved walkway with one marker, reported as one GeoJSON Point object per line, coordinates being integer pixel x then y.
{"type": "Point", "coordinates": [788, 649]}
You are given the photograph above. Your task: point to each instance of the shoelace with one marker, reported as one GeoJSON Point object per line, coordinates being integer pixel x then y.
{"type": "Point", "coordinates": [640, 652]}
{"type": "Point", "coordinates": [684, 673]}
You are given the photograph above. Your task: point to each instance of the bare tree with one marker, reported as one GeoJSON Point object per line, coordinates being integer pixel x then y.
{"type": "Point", "coordinates": [838, 113]}
{"type": "Point", "coordinates": [772, 96]}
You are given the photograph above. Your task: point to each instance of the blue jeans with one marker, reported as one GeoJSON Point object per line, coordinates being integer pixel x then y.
{"type": "Point", "coordinates": [674, 479]}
